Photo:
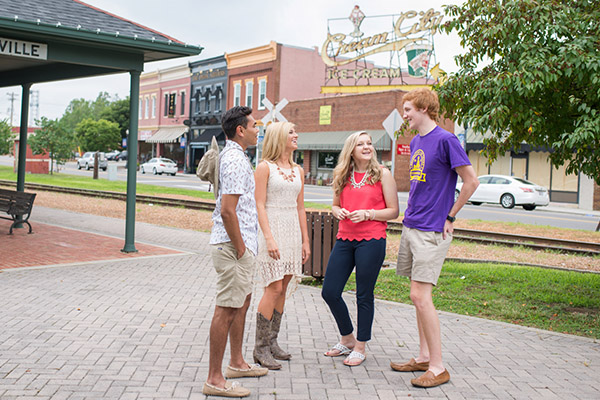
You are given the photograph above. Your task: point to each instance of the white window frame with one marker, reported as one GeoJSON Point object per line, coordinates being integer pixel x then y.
{"type": "Point", "coordinates": [249, 93]}
{"type": "Point", "coordinates": [237, 93]}
{"type": "Point", "coordinates": [262, 93]}
{"type": "Point", "coordinates": [153, 106]}
{"type": "Point", "coordinates": [146, 107]}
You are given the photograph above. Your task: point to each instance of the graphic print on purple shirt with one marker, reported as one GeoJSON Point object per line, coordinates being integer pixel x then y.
{"type": "Point", "coordinates": [433, 179]}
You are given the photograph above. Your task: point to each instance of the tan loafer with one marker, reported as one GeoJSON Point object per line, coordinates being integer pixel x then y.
{"type": "Point", "coordinates": [410, 366]}
{"type": "Point", "coordinates": [254, 371]}
{"type": "Point", "coordinates": [428, 379]}
{"type": "Point", "coordinates": [231, 390]}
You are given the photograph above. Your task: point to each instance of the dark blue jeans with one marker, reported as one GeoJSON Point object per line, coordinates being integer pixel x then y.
{"type": "Point", "coordinates": [367, 256]}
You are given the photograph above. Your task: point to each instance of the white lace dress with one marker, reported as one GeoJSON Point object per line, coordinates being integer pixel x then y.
{"type": "Point", "coordinates": [282, 212]}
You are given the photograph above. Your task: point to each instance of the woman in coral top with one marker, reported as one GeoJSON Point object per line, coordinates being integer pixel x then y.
{"type": "Point", "coordinates": [364, 198]}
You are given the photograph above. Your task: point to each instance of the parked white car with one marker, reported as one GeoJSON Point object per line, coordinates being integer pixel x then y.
{"type": "Point", "coordinates": [159, 166]}
{"type": "Point", "coordinates": [87, 161]}
{"type": "Point", "coordinates": [509, 191]}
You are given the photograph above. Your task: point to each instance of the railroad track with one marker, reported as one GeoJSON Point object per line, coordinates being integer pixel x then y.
{"type": "Point", "coordinates": [512, 240]}
{"type": "Point", "coordinates": [163, 201]}
{"type": "Point", "coordinates": [483, 237]}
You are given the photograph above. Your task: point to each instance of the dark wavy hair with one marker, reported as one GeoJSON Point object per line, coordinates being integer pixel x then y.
{"type": "Point", "coordinates": [233, 118]}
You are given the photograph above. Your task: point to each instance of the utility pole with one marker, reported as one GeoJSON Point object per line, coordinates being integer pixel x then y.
{"type": "Point", "coordinates": [12, 97]}
{"type": "Point", "coordinates": [34, 106]}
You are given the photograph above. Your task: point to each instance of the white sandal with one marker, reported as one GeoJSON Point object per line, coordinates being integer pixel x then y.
{"type": "Point", "coordinates": [343, 351]}
{"type": "Point", "coordinates": [354, 355]}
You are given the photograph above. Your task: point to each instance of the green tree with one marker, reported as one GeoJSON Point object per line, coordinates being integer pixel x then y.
{"type": "Point", "coordinates": [531, 73]}
{"type": "Point", "coordinates": [6, 136]}
{"type": "Point", "coordinates": [100, 135]}
{"type": "Point", "coordinates": [80, 109]}
{"type": "Point", "coordinates": [54, 139]}
{"type": "Point", "coordinates": [118, 111]}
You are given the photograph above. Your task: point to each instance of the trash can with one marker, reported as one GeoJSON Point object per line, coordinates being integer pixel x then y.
{"type": "Point", "coordinates": [112, 172]}
{"type": "Point", "coordinates": [322, 230]}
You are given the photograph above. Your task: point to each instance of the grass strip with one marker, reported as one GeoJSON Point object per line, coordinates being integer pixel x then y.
{"type": "Point", "coordinates": [560, 301]}
{"type": "Point", "coordinates": [87, 182]}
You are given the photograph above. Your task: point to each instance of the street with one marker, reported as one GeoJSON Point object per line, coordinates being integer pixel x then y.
{"type": "Point", "coordinates": [556, 215]}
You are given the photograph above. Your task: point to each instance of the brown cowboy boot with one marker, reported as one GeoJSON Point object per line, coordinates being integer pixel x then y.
{"type": "Point", "coordinates": [278, 352]}
{"type": "Point", "coordinates": [262, 350]}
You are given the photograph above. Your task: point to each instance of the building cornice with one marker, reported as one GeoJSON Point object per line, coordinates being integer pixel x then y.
{"type": "Point", "coordinates": [256, 55]}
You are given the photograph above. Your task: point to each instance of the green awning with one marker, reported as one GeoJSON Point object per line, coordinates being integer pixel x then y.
{"type": "Point", "coordinates": [335, 140]}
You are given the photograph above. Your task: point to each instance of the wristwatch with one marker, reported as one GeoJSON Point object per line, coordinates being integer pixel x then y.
{"type": "Point", "coordinates": [451, 219]}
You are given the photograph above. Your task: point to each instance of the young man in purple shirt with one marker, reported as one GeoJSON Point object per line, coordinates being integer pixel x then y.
{"type": "Point", "coordinates": [436, 158]}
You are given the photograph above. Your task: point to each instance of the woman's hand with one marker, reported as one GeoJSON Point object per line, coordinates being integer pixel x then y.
{"type": "Point", "coordinates": [305, 252]}
{"type": "Point", "coordinates": [358, 216]}
{"type": "Point", "coordinates": [340, 213]}
{"type": "Point", "coordinates": [272, 249]}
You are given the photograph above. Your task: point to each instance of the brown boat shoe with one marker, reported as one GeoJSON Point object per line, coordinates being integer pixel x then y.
{"type": "Point", "coordinates": [428, 379]}
{"type": "Point", "coordinates": [410, 366]}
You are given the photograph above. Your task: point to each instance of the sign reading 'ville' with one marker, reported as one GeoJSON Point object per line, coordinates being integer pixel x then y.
{"type": "Point", "coordinates": [20, 48]}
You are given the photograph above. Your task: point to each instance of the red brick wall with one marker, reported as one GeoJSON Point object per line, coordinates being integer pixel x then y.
{"type": "Point", "coordinates": [268, 69]}
{"type": "Point", "coordinates": [348, 112]}
{"type": "Point", "coordinates": [596, 205]}
{"type": "Point", "coordinates": [356, 112]}
{"type": "Point", "coordinates": [34, 163]}
{"type": "Point", "coordinates": [306, 167]}
{"type": "Point", "coordinates": [352, 113]}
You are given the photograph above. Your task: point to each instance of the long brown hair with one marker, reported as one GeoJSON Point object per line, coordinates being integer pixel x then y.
{"type": "Point", "coordinates": [345, 165]}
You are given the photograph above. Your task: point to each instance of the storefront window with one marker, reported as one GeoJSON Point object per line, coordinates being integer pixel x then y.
{"type": "Point", "coordinates": [299, 158]}
{"type": "Point", "coordinates": [328, 159]}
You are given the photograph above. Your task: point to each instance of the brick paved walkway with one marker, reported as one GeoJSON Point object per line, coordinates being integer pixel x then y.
{"type": "Point", "coordinates": [50, 245]}
{"type": "Point", "coordinates": [138, 329]}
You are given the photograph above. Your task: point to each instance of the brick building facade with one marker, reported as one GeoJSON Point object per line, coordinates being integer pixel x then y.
{"type": "Point", "coordinates": [35, 163]}
{"type": "Point", "coordinates": [350, 113]}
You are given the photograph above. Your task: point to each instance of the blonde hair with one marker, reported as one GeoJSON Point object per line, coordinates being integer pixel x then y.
{"type": "Point", "coordinates": [275, 140]}
{"type": "Point", "coordinates": [345, 165]}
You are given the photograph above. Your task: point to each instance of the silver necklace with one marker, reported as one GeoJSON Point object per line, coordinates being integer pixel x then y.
{"type": "Point", "coordinates": [360, 184]}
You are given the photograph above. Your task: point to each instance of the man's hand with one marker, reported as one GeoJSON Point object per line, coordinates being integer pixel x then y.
{"type": "Point", "coordinates": [448, 228]}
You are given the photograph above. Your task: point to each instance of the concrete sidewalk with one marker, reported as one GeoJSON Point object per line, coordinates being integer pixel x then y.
{"type": "Point", "coordinates": [138, 329]}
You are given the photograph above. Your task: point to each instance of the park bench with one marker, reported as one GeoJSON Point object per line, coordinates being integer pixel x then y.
{"type": "Point", "coordinates": [18, 205]}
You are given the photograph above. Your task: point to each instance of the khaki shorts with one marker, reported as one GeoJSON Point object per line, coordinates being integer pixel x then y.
{"type": "Point", "coordinates": [421, 255]}
{"type": "Point", "coordinates": [234, 277]}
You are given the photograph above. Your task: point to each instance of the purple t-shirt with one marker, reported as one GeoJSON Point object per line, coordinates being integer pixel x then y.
{"type": "Point", "coordinates": [433, 158]}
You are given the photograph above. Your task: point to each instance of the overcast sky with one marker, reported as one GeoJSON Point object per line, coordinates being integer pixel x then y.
{"type": "Point", "coordinates": [228, 26]}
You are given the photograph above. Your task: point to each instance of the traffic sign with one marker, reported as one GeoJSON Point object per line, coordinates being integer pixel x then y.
{"type": "Point", "coordinates": [391, 124]}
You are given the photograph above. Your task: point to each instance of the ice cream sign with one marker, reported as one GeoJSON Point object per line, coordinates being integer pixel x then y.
{"type": "Point", "coordinates": [410, 33]}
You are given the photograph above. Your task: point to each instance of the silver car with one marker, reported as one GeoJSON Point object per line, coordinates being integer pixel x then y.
{"type": "Point", "coordinates": [159, 166]}
{"type": "Point", "coordinates": [509, 191]}
{"type": "Point", "coordinates": [87, 161]}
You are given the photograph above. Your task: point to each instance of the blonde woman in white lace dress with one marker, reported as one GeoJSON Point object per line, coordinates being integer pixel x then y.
{"type": "Point", "coordinates": [283, 238]}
